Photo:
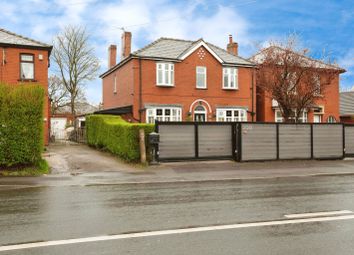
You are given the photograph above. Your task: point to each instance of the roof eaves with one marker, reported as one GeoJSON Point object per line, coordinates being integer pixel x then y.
{"type": "Point", "coordinates": [44, 45]}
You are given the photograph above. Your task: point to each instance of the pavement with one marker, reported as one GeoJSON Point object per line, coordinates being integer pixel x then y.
{"type": "Point", "coordinates": [82, 165]}
{"type": "Point", "coordinates": [219, 217]}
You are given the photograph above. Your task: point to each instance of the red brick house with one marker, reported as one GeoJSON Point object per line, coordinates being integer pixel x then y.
{"type": "Point", "coordinates": [326, 108]}
{"type": "Point", "coordinates": [179, 80]}
{"type": "Point", "coordinates": [24, 60]}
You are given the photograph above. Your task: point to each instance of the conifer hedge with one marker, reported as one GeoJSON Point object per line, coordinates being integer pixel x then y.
{"type": "Point", "coordinates": [114, 134]}
{"type": "Point", "coordinates": [21, 124]}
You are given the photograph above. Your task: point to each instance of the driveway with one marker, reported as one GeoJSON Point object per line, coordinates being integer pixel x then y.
{"type": "Point", "coordinates": [75, 159]}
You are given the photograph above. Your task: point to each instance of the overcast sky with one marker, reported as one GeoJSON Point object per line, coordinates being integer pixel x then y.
{"type": "Point", "coordinates": [320, 24]}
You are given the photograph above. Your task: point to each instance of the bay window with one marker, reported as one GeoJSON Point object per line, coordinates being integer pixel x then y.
{"type": "Point", "coordinates": [163, 114]}
{"type": "Point", "coordinates": [231, 115]}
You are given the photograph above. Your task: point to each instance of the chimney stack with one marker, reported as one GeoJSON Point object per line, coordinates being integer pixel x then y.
{"type": "Point", "coordinates": [126, 44]}
{"type": "Point", "coordinates": [112, 55]}
{"type": "Point", "coordinates": [232, 47]}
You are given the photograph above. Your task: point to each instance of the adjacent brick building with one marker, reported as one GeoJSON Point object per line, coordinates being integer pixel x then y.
{"type": "Point", "coordinates": [175, 80]}
{"type": "Point", "coordinates": [24, 61]}
{"type": "Point", "coordinates": [325, 109]}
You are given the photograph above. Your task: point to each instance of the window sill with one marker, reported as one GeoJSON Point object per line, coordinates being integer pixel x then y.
{"type": "Point", "coordinates": [201, 88]}
{"type": "Point", "coordinates": [230, 88]}
{"type": "Point", "coordinates": [165, 85]}
{"type": "Point", "coordinates": [27, 80]}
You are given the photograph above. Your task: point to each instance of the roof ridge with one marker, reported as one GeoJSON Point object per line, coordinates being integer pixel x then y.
{"type": "Point", "coordinates": [158, 40]}
{"type": "Point", "coordinates": [302, 55]}
{"type": "Point", "coordinates": [24, 37]}
{"type": "Point", "coordinates": [228, 52]}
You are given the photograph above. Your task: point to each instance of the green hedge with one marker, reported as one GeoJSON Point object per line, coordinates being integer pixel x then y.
{"type": "Point", "coordinates": [112, 133]}
{"type": "Point", "coordinates": [21, 124]}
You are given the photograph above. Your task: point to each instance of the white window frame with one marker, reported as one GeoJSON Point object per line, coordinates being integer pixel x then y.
{"type": "Point", "coordinates": [167, 74]}
{"type": "Point", "coordinates": [231, 73]}
{"type": "Point", "coordinates": [115, 84]}
{"type": "Point", "coordinates": [151, 114]}
{"type": "Point", "coordinates": [317, 115]}
{"type": "Point", "coordinates": [27, 61]}
{"type": "Point", "coordinates": [221, 115]}
{"type": "Point", "coordinates": [278, 118]}
{"type": "Point", "coordinates": [201, 70]}
{"type": "Point", "coordinates": [303, 118]}
{"type": "Point", "coordinates": [331, 119]}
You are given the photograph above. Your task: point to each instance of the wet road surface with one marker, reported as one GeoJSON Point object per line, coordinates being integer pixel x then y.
{"type": "Point", "coordinates": [59, 213]}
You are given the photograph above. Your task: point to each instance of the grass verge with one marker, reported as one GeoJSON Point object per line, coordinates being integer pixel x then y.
{"type": "Point", "coordinates": [21, 171]}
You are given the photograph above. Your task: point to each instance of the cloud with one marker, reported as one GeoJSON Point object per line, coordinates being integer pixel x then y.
{"type": "Point", "coordinates": [347, 62]}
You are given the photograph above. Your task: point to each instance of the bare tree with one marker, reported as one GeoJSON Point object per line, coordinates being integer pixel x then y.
{"type": "Point", "coordinates": [288, 75]}
{"type": "Point", "coordinates": [58, 94]}
{"type": "Point", "coordinates": [75, 60]}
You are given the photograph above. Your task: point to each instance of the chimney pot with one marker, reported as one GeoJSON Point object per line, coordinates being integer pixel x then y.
{"type": "Point", "coordinates": [126, 44]}
{"type": "Point", "coordinates": [230, 39]}
{"type": "Point", "coordinates": [112, 55]}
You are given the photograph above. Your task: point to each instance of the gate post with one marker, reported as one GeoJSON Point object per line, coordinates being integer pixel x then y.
{"type": "Point", "coordinates": [196, 139]}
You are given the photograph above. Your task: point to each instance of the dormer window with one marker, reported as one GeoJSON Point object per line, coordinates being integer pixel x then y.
{"type": "Point", "coordinates": [230, 78]}
{"type": "Point", "coordinates": [165, 74]}
{"type": "Point", "coordinates": [27, 67]}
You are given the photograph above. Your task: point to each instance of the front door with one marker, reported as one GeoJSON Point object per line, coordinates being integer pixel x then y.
{"type": "Point", "coordinates": [199, 117]}
{"type": "Point", "coordinates": [199, 114]}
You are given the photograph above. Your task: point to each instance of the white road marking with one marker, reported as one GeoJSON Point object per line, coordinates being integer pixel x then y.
{"type": "Point", "coordinates": [317, 214]}
{"type": "Point", "coordinates": [171, 232]}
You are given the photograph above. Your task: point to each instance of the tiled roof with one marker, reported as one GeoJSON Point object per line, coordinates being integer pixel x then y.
{"type": "Point", "coordinates": [7, 37]}
{"type": "Point", "coordinates": [307, 61]}
{"type": "Point", "coordinates": [346, 103]}
{"type": "Point", "coordinates": [171, 48]}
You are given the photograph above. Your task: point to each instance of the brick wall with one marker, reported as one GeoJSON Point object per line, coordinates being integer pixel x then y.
{"type": "Point", "coordinates": [10, 73]}
{"type": "Point", "coordinates": [184, 92]}
{"type": "Point", "coordinates": [329, 100]}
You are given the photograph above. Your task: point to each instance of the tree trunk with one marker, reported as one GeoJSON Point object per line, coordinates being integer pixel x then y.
{"type": "Point", "coordinates": [73, 112]}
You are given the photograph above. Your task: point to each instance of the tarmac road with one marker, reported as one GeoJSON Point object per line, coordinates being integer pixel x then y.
{"type": "Point", "coordinates": [32, 215]}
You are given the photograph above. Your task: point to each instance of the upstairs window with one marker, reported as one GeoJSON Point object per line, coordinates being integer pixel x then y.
{"type": "Point", "coordinates": [27, 67]}
{"type": "Point", "coordinates": [164, 74]}
{"type": "Point", "coordinates": [201, 77]}
{"type": "Point", "coordinates": [230, 78]}
{"type": "Point", "coordinates": [115, 84]}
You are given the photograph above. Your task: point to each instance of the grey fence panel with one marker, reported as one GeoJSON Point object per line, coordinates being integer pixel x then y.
{"type": "Point", "coordinates": [215, 140]}
{"type": "Point", "coordinates": [176, 141]}
{"type": "Point", "coordinates": [294, 141]}
{"type": "Point", "coordinates": [349, 140]}
{"type": "Point", "coordinates": [258, 142]}
{"type": "Point", "coordinates": [327, 141]}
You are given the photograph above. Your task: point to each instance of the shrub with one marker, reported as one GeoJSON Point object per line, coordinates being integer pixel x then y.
{"type": "Point", "coordinates": [21, 124]}
{"type": "Point", "coordinates": [115, 135]}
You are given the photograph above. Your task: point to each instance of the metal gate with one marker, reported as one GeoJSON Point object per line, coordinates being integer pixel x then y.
{"type": "Point", "coordinates": [197, 140]}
